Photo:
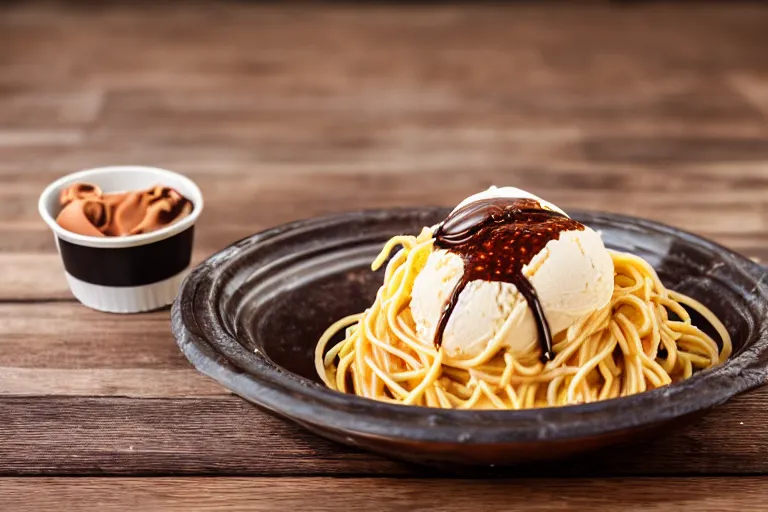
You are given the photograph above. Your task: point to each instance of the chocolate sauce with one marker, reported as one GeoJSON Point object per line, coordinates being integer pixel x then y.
{"type": "Point", "coordinates": [496, 238]}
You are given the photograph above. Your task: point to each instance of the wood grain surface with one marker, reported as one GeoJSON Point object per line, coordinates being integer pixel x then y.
{"type": "Point", "coordinates": [333, 494]}
{"type": "Point", "coordinates": [285, 112]}
{"type": "Point", "coordinates": [213, 435]}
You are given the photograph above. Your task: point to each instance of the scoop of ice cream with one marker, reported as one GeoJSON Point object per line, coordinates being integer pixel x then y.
{"type": "Point", "coordinates": [572, 276]}
{"type": "Point", "coordinates": [513, 192]}
{"type": "Point", "coordinates": [88, 211]}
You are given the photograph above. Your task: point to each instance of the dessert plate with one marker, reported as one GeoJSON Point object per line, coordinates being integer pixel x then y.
{"type": "Point", "coordinates": [251, 315]}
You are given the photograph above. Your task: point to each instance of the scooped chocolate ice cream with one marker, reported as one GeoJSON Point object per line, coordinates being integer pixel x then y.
{"type": "Point", "coordinates": [86, 210]}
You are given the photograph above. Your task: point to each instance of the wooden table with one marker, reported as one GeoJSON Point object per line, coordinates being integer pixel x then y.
{"type": "Point", "coordinates": [653, 110]}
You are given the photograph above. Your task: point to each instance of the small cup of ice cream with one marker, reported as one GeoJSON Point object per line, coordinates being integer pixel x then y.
{"type": "Point", "coordinates": [124, 234]}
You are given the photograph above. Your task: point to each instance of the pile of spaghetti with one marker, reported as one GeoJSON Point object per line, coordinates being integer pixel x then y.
{"type": "Point", "coordinates": [641, 340]}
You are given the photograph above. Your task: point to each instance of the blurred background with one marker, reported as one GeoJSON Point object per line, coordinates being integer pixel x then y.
{"type": "Point", "coordinates": [296, 109]}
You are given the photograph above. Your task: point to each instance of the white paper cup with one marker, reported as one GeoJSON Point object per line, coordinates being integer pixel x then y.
{"type": "Point", "coordinates": [125, 274]}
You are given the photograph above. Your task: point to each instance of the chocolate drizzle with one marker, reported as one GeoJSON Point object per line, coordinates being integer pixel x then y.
{"type": "Point", "coordinates": [496, 238]}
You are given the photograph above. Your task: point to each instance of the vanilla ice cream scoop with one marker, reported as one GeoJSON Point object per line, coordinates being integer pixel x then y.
{"type": "Point", "coordinates": [568, 269]}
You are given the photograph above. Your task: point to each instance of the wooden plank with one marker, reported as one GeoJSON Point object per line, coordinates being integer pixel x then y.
{"type": "Point", "coordinates": [121, 436]}
{"type": "Point", "coordinates": [63, 348]}
{"type": "Point", "coordinates": [132, 382]}
{"type": "Point", "coordinates": [107, 436]}
{"type": "Point", "coordinates": [68, 336]}
{"type": "Point", "coordinates": [39, 276]}
{"type": "Point", "coordinates": [32, 276]}
{"type": "Point", "coordinates": [333, 494]}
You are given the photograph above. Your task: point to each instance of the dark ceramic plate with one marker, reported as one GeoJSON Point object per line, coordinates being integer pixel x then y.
{"type": "Point", "coordinates": [250, 316]}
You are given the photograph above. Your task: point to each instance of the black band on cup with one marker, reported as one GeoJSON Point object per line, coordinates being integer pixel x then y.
{"type": "Point", "coordinates": [129, 266]}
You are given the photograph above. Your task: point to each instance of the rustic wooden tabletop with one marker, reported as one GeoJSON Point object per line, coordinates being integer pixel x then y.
{"type": "Point", "coordinates": [656, 110]}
